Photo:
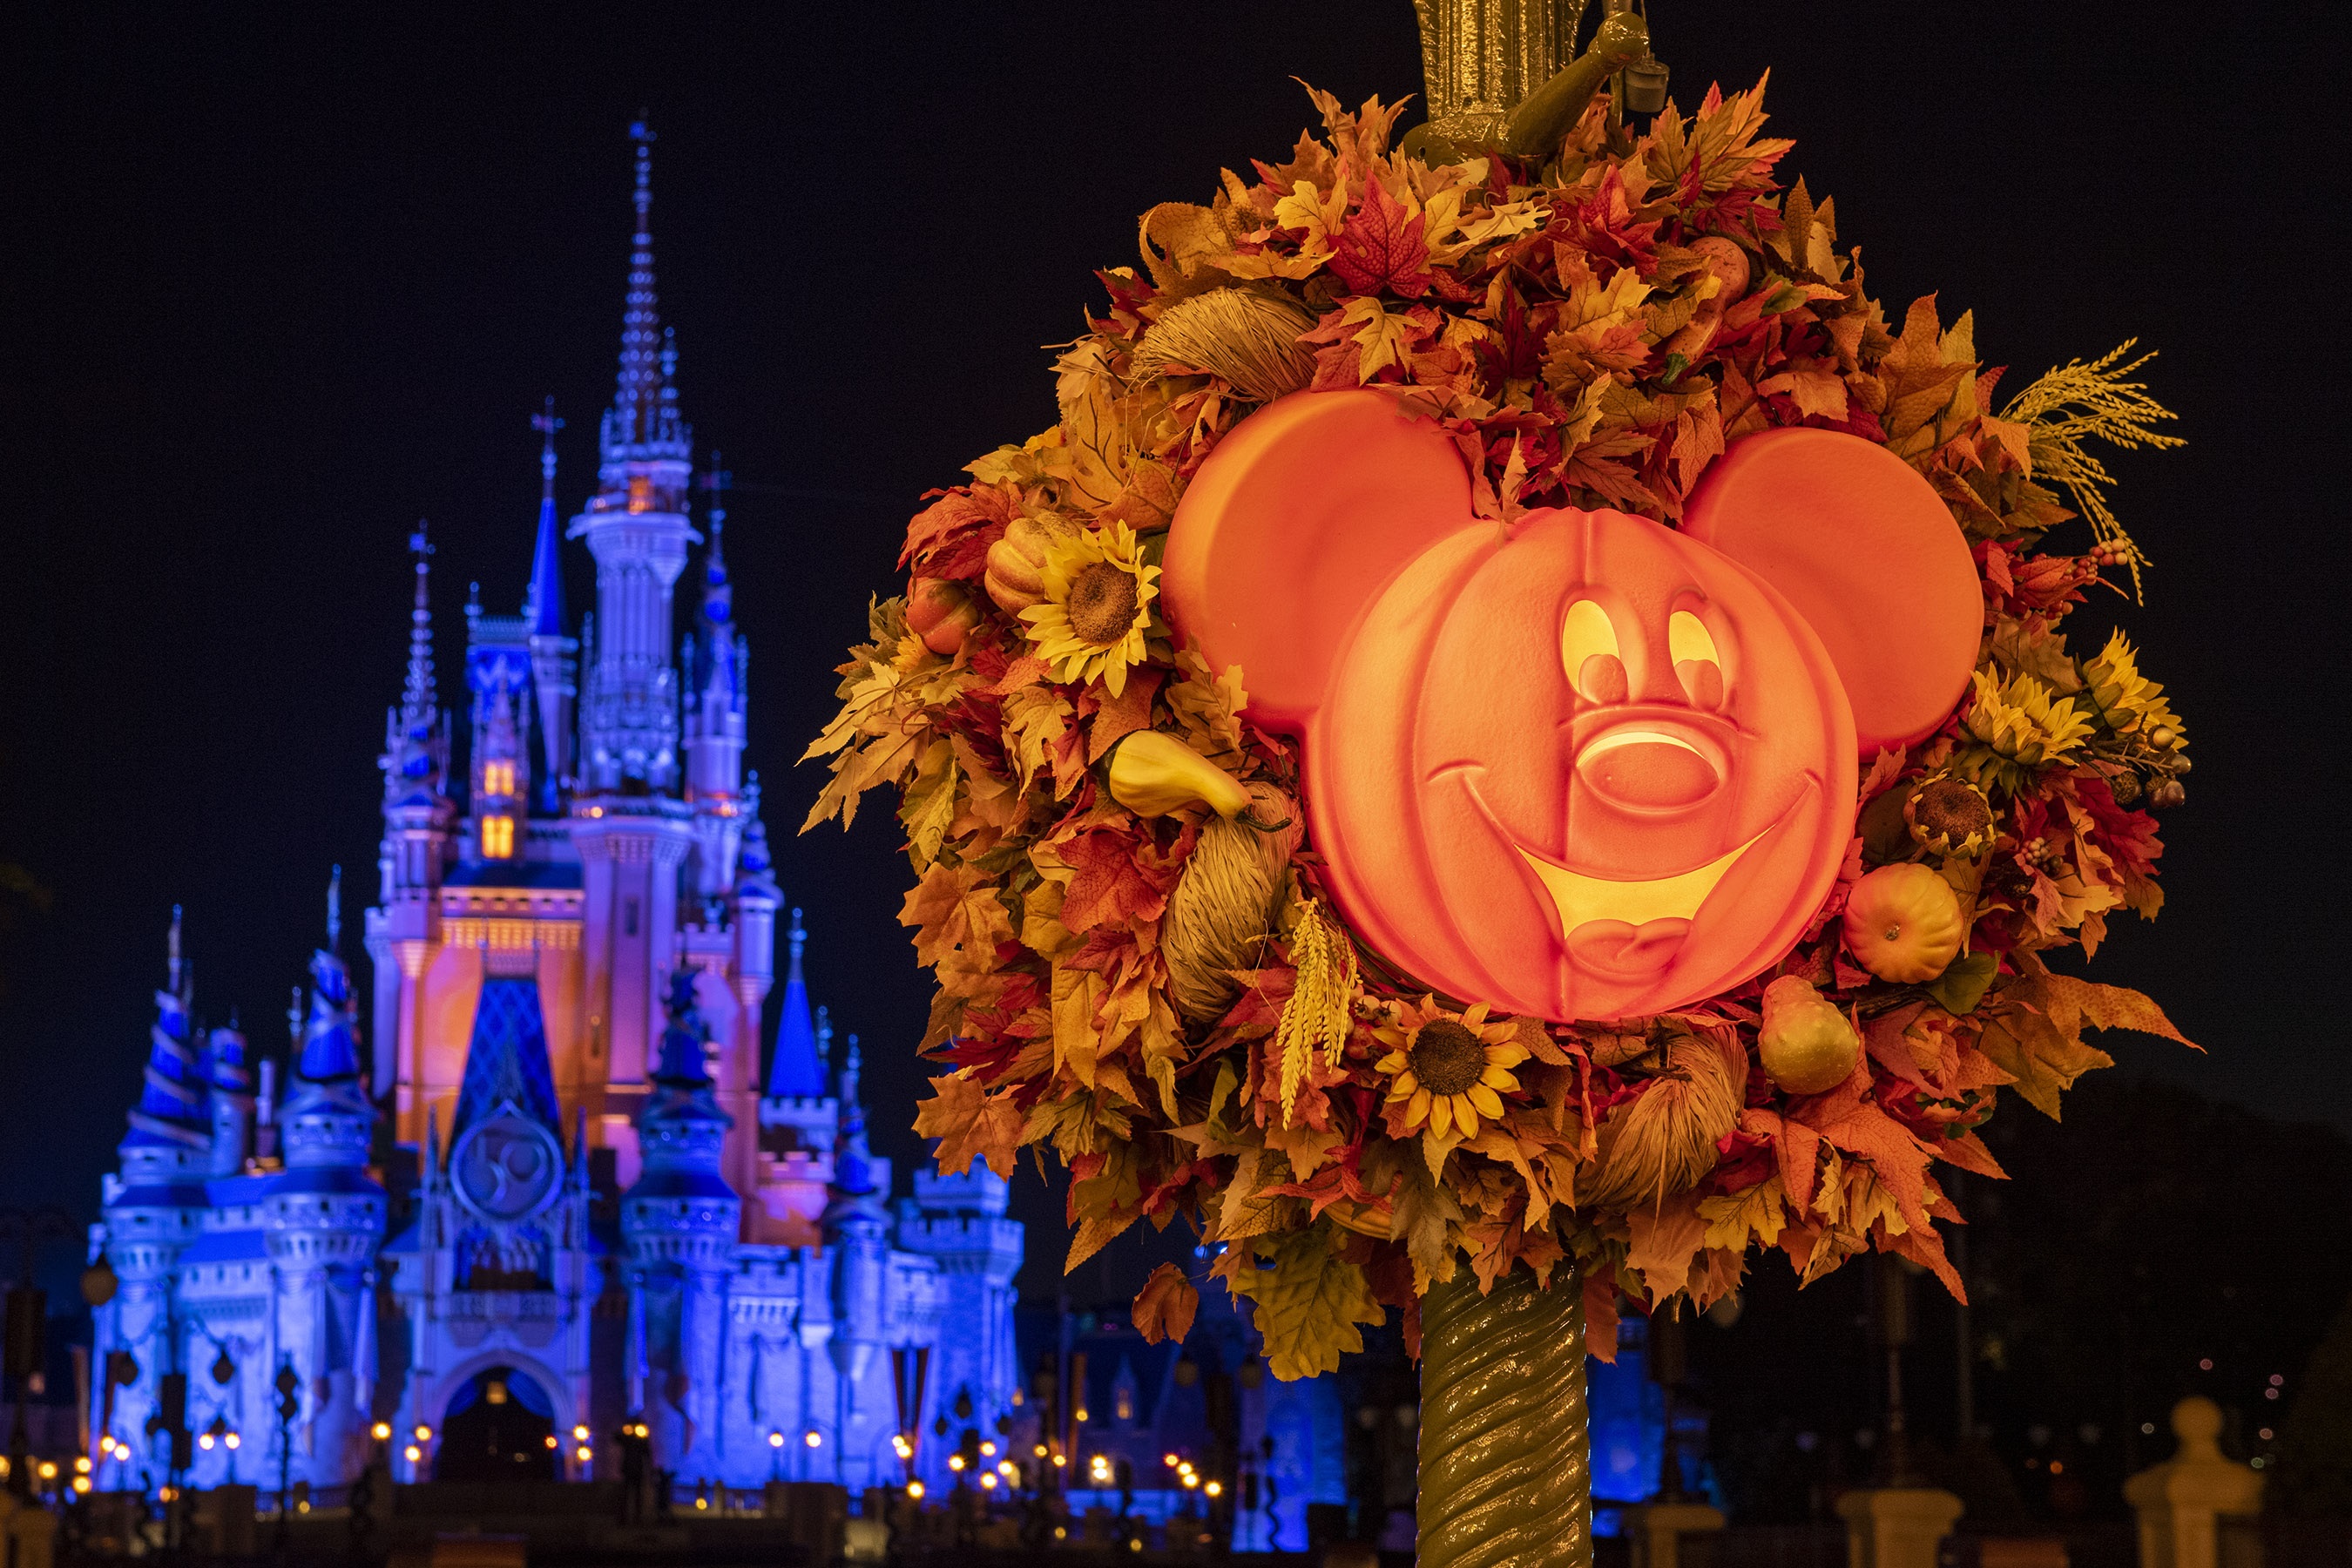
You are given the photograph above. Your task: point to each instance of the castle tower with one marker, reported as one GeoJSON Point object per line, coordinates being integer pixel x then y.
{"type": "Point", "coordinates": [552, 652]}
{"type": "Point", "coordinates": [404, 928]}
{"type": "Point", "coordinates": [324, 1216]}
{"type": "Point", "coordinates": [231, 1079]}
{"type": "Point", "coordinates": [680, 1222]}
{"type": "Point", "coordinates": [632, 832]}
{"type": "Point", "coordinates": [714, 729]}
{"type": "Point", "coordinates": [154, 1208]}
{"type": "Point", "coordinates": [498, 672]}
{"type": "Point", "coordinates": [800, 1120]}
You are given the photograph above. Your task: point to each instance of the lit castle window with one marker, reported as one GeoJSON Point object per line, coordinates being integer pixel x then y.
{"type": "Point", "coordinates": [497, 839]}
{"type": "Point", "coordinates": [497, 779]}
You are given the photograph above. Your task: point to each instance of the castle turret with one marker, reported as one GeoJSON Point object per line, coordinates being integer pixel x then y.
{"type": "Point", "coordinates": [231, 1078]}
{"type": "Point", "coordinates": [681, 1221]}
{"type": "Point", "coordinates": [154, 1208]}
{"type": "Point", "coordinates": [325, 1215]}
{"type": "Point", "coordinates": [799, 1120]}
{"type": "Point", "coordinates": [404, 927]}
{"type": "Point", "coordinates": [858, 1231]}
{"type": "Point", "coordinates": [714, 730]}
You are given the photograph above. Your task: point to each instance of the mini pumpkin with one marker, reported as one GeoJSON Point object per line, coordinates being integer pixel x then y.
{"type": "Point", "coordinates": [940, 613]}
{"type": "Point", "coordinates": [1904, 923]}
{"type": "Point", "coordinates": [1015, 576]}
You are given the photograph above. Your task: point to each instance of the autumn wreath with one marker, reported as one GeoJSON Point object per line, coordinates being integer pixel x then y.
{"type": "Point", "coordinates": [1137, 962]}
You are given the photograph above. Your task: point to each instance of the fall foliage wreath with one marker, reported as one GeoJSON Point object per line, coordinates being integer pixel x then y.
{"type": "Point", "coordinates": [1148, 979]}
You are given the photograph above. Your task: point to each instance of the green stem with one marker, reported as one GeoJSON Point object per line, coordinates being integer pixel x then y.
{"type": "Point", "coordinates": [1506, 1455]}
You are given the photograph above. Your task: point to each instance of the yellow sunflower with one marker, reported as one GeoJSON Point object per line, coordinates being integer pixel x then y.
{"type": "Point", "coordinates": [1451, 1071]}
{"type": "Point", "coordinates": [1098, 592]}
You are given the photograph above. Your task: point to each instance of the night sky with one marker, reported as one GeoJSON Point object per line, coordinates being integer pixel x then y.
{"type": "Point", "coordinates": [279, 282]}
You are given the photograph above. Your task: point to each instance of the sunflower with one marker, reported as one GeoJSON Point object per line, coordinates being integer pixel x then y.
{"type": "Point", "coordinates": [1098, 592]}
{"type": "Point", "coordinates": [1449, 1071]}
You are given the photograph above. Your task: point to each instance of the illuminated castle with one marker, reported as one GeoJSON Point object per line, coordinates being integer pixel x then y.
{"type": "Point", "coordinates": [607, 1217]}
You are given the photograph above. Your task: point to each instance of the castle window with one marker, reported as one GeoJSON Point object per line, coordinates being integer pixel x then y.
{"type": "Point", "coordinates": [497, 778]}
{"type": "Point", "coordinates": [497, 839]}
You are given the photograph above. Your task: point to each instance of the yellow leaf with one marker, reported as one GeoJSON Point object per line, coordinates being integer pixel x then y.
{"type": "Point", "coordinates": [1309, 1303]}
{"type": "Point", "coordinates": [1077, 994]}
{"type": "Point", "coordinates": [1758, 1215]}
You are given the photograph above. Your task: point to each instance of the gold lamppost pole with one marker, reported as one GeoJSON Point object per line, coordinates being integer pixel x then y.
{"type": "Point", "coordinates": [1505, 1459]}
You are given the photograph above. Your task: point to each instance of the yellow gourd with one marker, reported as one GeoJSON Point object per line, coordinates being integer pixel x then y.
{"type": "Point", "coordinates": [1152, 774]}
{"type": "Point", "coordinates": [1807, 1045]}
{"type": "Point", "coordinates": [1904, 923]}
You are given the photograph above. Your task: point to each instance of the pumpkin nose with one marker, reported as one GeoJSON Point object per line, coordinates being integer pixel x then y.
{"type": "Point", "coordinates": [1647, 770]}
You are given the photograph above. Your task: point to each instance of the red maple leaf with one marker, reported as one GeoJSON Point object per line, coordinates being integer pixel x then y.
{"type": "Point", "coordinates": [1380, 246]}
{"type": "Point", "coordinates": [950, 537]}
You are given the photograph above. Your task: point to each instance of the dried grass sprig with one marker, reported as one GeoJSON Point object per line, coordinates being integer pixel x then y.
{"type": "Point", "coordinates": [2081, 402]}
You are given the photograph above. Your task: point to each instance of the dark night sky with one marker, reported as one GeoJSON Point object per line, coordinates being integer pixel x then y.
{"type": "Point", "coordinates": [276, 282]}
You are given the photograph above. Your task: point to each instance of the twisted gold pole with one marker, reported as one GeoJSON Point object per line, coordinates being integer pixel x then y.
{"type": "Point", "coordinates": [1506, 1454]}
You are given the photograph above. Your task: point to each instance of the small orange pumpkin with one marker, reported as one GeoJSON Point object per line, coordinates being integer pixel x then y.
{"type": "Point", "coordinates": [1016, 563]}
{"type": "Point", "coordinates": [940, 614]}
{"type": "Point", "coordinates": [1904, 923]}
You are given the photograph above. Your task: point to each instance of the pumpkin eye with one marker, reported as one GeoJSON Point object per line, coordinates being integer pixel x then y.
{"type": "Point", "coordinates": [1588, 651]}
{"type": "Point", "coordinates": [1697, 665]}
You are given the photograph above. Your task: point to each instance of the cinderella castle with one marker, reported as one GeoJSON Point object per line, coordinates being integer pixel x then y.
{"type": "Point", "coordinates": [545, 1205]}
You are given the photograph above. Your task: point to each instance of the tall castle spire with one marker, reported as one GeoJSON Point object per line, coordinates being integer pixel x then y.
{"type": "Point", "coordinates": [553, 663]}
{"type": "Point", "coordinates": [415, 760]}
{"type": "Point", "coordinates": [635, 526]}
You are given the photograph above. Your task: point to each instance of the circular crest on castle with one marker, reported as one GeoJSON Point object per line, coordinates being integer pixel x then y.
{"type": "Point", "coordinates": [506, 1166]}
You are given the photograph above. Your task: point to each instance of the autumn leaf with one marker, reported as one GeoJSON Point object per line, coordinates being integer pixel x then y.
{"type": "Point", "coordinates": [1381, 247]}
{"type": "Point", "coordinates": [1666, 1238]}
{"type": "Point", "coordinates": [970, 1123]}
{"type": "Point", "coordinates": [1734, 1219]}
{"type": "Point", "coordinates": [1165, 1307]}
{"type": "Point", "coordinates": [955, 908]}
{"type": "Point", "coordinates": [1310, 1301]}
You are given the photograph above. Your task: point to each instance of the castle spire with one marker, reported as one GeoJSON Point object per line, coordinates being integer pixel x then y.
{"type": "Point", "coordinates": [796, 1073]}
{"type": "Point", "coordinates": [636, 525]}
{"type": "Point", "coordinates": [172, 1109]}
{"type": "Point", "coordinates": [644, 420]}
{"type": "Point", "coordinates": [543, 608]}
{"type": "Point", "coordinates": [415, 760]}
{"type": "Point", "coordinates": [553, 661]}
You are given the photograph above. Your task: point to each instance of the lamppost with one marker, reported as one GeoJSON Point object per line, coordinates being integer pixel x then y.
{"type": "Point", "coordinates": [25, 1349]}
{"type": "Point", "coordinates": [289, 1406]}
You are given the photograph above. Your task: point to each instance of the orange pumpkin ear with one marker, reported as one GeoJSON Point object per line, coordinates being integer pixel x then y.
{"type": "Point", "coordinates": [1292, 525]}
{"type": "Point", "coordinates": [1868, 553]}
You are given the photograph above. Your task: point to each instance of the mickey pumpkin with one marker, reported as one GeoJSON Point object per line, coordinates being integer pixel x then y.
{"type": "Point", "coordinates": [1584, 765]}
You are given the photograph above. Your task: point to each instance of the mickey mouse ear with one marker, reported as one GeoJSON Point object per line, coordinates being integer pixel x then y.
{"type": "Point", "coordinates": [1868, 553]}
{"type": "Point", "coordinates": [1292, 524]}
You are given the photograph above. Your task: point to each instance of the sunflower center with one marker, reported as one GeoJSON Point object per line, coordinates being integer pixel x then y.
{"type": "Point", "coordinates": [1946, 810]}
{"type": "Point", "coordinates": [1102, 603]}
{"type": "Point", "coordinates": [1446, 1057]}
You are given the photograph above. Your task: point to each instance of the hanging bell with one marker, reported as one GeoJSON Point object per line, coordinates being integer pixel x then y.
{"type": "Point", "coordinates": [1645, 86]}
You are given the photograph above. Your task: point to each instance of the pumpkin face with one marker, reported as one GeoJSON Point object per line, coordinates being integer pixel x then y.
{"type": "Point", "coordinates": [1585, 766]}
{"type": "Point", "coordinates": [1588, 770]}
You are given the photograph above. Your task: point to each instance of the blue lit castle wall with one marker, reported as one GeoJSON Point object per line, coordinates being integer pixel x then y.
{"type": "Point", "coordinates": [611, 1215]}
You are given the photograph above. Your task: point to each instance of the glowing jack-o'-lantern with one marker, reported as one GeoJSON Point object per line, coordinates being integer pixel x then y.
{"type": "Point", "coordinates": [1585, 766]}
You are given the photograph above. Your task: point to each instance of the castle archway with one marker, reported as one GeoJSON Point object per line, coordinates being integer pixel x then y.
{"type": "Point", "coordinates": [500, 1426]}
